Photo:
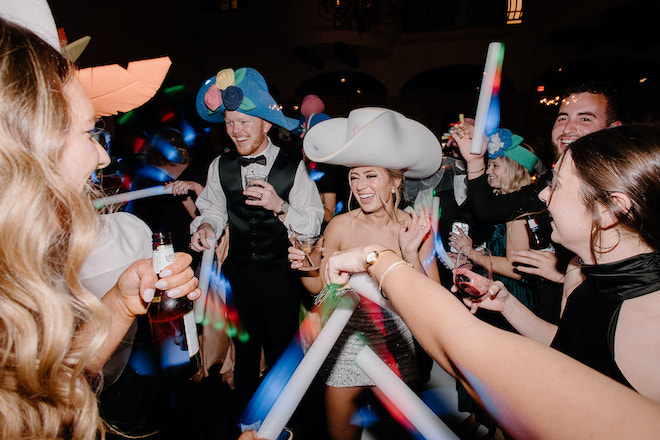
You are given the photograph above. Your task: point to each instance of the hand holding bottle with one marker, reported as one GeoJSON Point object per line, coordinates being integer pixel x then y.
{"type": "Point", "coordinates": [136, 286]}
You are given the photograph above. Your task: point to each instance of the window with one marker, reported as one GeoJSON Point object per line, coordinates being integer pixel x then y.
{"type": "Point", "coordinates": [514, 12]}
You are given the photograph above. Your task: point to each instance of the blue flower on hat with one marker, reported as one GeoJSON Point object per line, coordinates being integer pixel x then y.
{"type": "Point", "coordinates": [499, 142]}
{"type": "Point", "coordinates": [243, 90]}
{"type": "Point", "coordinates": [232, 97]}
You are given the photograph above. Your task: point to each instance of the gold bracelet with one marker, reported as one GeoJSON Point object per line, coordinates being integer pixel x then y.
{"type": "Point", "coordinates": [382, 278]}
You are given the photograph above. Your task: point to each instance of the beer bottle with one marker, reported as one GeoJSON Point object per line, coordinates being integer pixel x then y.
{"type": "Point", "coordinates": [172, 320]}
{"type": "Point", "coordinates": [537, 239]}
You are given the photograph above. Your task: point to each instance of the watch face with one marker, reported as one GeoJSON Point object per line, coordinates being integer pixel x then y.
{"type": "Point", "coordinates": [371, 258]}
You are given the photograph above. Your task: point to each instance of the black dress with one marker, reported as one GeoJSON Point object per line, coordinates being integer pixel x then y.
{"type": "Point", "coordinates": [588, 325]}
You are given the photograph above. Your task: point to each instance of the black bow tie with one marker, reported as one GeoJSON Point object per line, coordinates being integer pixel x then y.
{"type": "Point", "coordinates": [245, 161]}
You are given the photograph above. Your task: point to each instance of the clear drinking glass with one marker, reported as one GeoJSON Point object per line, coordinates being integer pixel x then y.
{"type": "Point", "coordinates": [311, 245]}
{"type": "Point", "coordinates": [473, 273]}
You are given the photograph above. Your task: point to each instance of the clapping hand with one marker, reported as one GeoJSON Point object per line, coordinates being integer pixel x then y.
{"type": "Point", "coordinates": [412, 233]}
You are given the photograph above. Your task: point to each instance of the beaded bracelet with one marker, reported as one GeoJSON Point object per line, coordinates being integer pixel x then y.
{"type": "Point", "coordinates": [382, 278]}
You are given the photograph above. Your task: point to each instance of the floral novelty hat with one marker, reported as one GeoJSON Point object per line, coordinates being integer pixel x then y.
{"type": "Point", "coordinates": [375, 136]}
{"type": "Point", "coordinates": [503, 143]}
{"type": "Point", "coordinates": [243, 90]}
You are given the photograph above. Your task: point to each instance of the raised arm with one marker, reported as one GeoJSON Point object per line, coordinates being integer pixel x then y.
{"type": "Point", "coordinates": [525, 386]}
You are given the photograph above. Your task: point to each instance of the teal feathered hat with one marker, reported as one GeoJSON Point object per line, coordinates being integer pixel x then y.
{"type": "Point", "coordinates": [243, 90]}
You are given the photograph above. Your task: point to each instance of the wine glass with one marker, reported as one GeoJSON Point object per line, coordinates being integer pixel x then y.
{"type": "Point", "coordinates": [473, 273]}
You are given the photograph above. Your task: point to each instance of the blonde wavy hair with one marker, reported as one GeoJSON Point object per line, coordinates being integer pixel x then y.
{"type": "Point", "coordinates": [517, 175]}
{"type": "Point", "coordinates": [48, 228]}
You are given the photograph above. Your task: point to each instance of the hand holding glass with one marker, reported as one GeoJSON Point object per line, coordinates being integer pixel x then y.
{"type": "Point", "coordinates": [311, 245]}
{"type": "Point", "coordinates": [473, 273]}
{"type": "Point", "coordinates": [248, 182]}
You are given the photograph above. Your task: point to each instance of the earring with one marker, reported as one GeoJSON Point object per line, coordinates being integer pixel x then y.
{"type": "Point", "coordinates": [603, 250]}
{"type": "Point", "coordinates": [393, 191]}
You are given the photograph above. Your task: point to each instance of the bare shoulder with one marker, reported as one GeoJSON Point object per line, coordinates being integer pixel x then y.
{"type": "Point", "coordinates": [337, 230]}
{"type": "Point", "coordinates": [337, 223]}
{"type": "Point", "coordinates": [637, 343]}
{"type": "Point", "coordinates": [403, 215]}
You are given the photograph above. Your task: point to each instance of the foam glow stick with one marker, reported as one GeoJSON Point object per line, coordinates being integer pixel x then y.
{"type": "Point", "coordinates": [489, 91]}
{"type": "Point", "coordinates": [367, 287]}
{"type": "Point", "coordinates": [411, 407]}
{"type": "Point", "coordinates": [437, 240]}
{"type": "Point", "coordinates": [302, 377]}
{"type": "Point", "coordinates": [204, 280]}
{"type": "Point", "coordinates": [132, 195]}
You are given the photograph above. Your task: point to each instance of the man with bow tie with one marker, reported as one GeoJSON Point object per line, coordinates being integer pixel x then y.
{"type": "Point", "coordinates": [266, 292]}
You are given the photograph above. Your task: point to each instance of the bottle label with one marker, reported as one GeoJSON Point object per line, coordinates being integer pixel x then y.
{"type": "Point", "coordinates": [532, 224]}
{"type": "Point", "coordinates": [162, 257]}
{"type": "Point", "coordinates": [191, 333]}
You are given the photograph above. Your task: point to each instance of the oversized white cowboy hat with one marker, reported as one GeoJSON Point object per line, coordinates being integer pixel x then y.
{"type": "Point", "coordinates": [375, 136]}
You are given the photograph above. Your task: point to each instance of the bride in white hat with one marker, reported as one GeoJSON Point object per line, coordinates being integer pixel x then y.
{"type": "Point", "coordinates": [381, 147]}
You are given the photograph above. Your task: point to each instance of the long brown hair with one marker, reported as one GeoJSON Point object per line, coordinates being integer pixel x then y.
{"type": "Point", "coordinates": [625, 160]}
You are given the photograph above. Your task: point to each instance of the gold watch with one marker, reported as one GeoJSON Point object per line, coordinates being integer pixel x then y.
{"type": "Point", "coordinates": [372, 257]}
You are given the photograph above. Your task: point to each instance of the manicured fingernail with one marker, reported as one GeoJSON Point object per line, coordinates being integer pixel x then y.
{"type": "Point", "coordinates": [161, 284]}
{"type": "Point", "coordinates": [173, 292]}
{"type": "Point", "coordinates": [165, 273]}
{"type": "Point", "coordinates": [148, 295]}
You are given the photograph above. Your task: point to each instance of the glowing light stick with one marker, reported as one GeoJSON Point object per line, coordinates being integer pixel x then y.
{"type": "Point", "coordinates": [204, 279]}
{"type": "Point", "coordinates": [437, 240]}
{"type": "Point", "coordinates": [487, 118]}
{"type": "Point", "coordinates": [132, 195]}
{"type": "Point", "coordinates": [419, 416]}
{"type": "Point", "coordinates": [367, 287]}
{"type": "Point", "coordinates": [302, 377]}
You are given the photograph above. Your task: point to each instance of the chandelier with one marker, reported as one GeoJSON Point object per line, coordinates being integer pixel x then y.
{"type": "Point", "coordinates": [360, 15]}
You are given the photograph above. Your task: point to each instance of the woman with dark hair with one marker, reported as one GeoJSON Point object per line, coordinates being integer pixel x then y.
{"type": "Point", "coordinates": [604, 201]}
{"type": "Point", "coordinates": [604, 206]}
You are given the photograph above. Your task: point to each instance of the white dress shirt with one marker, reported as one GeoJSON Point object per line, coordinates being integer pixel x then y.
{"type": "Point", "coordinates": [305, 208]}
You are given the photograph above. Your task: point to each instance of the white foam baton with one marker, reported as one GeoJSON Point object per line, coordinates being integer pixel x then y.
{"type": "Point", "coordinates": [302, 377]}
{"type": "Point", "coordinates": [205, 270]}
{"type": "Point", "coordinates": [363, 284]}
{"type": "Point", "coordinates": [485, 95]}
{"type": "Point", "coordinates": [418, 414]}
{"type": "Point", "coordinates": [437, 240]}
{"type": "Point", "coordinates": [132, 195]}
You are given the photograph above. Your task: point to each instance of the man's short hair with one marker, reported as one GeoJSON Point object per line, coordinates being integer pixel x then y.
{"type": "Point", "coordinates": [603, 88]}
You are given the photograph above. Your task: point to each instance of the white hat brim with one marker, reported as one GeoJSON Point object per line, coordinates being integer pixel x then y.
{"type": "Point", "coordinates": [375, 137]}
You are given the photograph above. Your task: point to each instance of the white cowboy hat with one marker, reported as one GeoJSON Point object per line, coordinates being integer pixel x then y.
{"type": "Point", "coordinates": [375, 137]}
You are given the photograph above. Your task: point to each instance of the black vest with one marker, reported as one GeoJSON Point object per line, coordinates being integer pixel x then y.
{"type": "Point", "coordinates": [255, 234]}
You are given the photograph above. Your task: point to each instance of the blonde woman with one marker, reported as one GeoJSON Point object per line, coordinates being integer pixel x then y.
{"type": "Point", "coordinates": [510, 167]}
{"type": "Point", "coordinates": [55, 334]}
{"type": "Point", "coordinates": [378, 164]}
{"type": "Point", "coordinates": [510, 164]}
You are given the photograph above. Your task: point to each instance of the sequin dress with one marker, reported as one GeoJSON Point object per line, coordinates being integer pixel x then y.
{"type": "Point", "coordinates": [384, 331]}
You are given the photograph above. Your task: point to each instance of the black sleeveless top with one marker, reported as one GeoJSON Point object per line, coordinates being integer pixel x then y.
{"type": "Point", "coordinates": [588, 325]}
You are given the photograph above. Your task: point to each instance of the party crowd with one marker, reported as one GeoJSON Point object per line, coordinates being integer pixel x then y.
{"type": "Point", "coordinates": [534, 283]}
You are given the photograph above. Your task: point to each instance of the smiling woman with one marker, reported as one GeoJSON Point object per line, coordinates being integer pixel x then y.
{"type": "Point", "coordinates": [82, 154]}
{"type": "Point", "coordinates": [378, 165]}
{"type": "Point", "coordinates": [604, 207]}
{"type": "Point", "coordinates": [55, 335]}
